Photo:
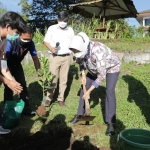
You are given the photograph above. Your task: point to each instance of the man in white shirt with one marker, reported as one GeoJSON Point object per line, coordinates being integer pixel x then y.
{"type": "Point", "coordinates": [57, 40]}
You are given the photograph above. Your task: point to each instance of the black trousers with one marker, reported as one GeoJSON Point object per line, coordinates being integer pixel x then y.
{"type": "Point", "coordinates": [110, 103]}
{"type": "Point", "coordinates": [18, 73]}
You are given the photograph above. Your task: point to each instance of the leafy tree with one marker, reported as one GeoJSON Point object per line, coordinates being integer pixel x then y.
{"type": "Point", "coordinates": [43, 13]}
{"type": "Point", "coordinates": [26, 8]}
{"type": "Point", "coordinates": [2, 9]}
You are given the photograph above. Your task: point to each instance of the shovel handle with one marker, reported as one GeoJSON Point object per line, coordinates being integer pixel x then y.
{"type": "Point", "coordinates": [84, 89]}
{"type": "Point", "coordinates": [87, 105]}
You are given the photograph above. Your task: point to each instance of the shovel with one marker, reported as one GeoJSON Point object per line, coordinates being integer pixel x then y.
{"type": "Point", "coordinates": [86, 117]}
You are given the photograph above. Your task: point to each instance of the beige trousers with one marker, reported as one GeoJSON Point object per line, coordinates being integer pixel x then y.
{"type": "Point", "coordinates": [59, 67]}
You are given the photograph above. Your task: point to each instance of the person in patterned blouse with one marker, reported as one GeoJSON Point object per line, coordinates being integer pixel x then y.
{"type": "Point", "coordinates": [100, 63]}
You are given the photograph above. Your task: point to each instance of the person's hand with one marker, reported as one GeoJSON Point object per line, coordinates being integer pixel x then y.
{"type": "Point", "coordinates": [86, 95]}
{"type": "Point", "coordinates": [53, 50]}
{"type": "Point", "coordinates": [74, 59]}
{"type": "Point", "coordinates": [14, 86]}
{"type": "Point", "coordinates": [83, 79]}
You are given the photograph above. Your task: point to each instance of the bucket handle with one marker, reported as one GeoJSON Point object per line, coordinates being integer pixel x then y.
{"type": "Point", "coordinates": [118, 142]}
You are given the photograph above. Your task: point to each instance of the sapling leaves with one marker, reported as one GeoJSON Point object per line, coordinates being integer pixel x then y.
{"type": "Point", "coordinates": [45, 74]}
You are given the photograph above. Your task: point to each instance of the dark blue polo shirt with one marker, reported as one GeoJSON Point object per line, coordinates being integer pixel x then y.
{"type": "Point", "coordinates": [15, 52]}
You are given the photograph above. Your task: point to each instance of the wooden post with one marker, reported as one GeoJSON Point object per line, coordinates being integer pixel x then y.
{"type": "Point", "coordinates": [103, 22]}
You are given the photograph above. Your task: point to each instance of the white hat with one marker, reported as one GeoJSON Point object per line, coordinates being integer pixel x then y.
{"type": "Point", "coordinates": [80, 42]}
{"type": "Point", "coordinates": [77, 43]}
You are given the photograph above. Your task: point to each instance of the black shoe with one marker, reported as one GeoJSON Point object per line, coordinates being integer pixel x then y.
{"type": "Point", "coordinates": [110, 130]}
{"type": "Point", "coordinates": [28, 111]}
{"type": "Point", "coordinates": [74, 120]}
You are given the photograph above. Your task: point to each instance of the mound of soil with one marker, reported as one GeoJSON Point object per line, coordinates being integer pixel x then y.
{"type": "Point", "coordinates": [41, 111]}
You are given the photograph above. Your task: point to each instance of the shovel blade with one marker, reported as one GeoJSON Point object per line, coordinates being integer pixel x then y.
{"type": "Point", "coordinates": [85, 118]}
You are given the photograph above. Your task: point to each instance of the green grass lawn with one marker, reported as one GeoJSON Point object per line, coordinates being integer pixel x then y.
{"type": "Point", "coordinates": [133, 105]}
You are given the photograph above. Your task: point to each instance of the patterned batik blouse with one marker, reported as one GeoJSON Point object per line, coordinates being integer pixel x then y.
{"type": "Point", "coordinates": [100, 60]}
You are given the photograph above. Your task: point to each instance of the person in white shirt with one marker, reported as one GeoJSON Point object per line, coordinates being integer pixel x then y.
{"type": "Point", "coordinates": [57, 40]}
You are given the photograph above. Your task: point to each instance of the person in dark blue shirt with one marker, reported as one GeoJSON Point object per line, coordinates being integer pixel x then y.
{"type": "Point", "coordinates": [15, 53]}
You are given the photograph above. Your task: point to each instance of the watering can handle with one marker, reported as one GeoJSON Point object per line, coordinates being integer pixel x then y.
{"type": "Point", "coordinates": [18, 96]}
{"type": "Point", "coordinates": [84, 88]}
{"type": "Point", "coordinates": [118, 140]}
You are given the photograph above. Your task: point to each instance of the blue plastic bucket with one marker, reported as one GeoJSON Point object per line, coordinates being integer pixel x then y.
{"type": "Point", "coordinates": [134, 139]}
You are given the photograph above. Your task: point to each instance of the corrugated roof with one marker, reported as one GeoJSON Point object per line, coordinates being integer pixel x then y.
{"type": "Point", "coordinates": [108, 9]}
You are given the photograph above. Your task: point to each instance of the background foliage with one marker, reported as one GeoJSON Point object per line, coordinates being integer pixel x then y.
{"type": "Point", "coordinates": [2, 9]}
{"type": "Point", "coordinates": [40, 14]}
{"type": "Point", "coordinates": [132, 90]}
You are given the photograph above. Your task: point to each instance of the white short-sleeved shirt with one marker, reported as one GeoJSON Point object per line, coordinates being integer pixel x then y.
{"type": "Point", "coordinates": [63, 36]}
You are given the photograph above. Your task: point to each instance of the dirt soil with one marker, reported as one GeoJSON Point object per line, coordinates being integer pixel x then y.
{"type": "Point", "coordinates": [41, 111]}
{"type": "Point", "coordinates": [54, 136]}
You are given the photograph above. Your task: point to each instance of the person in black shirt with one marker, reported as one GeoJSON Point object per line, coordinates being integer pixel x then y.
{"type": "Point", "coordinates": [15, 53]}
{"type": "Point", "coordinates": [11, 24]}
